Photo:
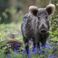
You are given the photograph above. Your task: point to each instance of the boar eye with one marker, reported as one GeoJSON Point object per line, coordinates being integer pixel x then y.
{"type": "Point", "coordinates": [38, 17]}
{"type": "Point", "coordinates": [46, 17]}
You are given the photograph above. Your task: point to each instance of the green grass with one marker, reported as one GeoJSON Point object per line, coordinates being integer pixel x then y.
{"type": "Point", "coordinates": [13, 28]}
{"type": "Point", "coordinates": [5, 30]}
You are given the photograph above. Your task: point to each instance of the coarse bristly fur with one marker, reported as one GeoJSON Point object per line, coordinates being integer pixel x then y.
{"type": "Point", "coordinates": [36, 26]}
{"type": "Point", "coordinates": [32, 8]}
{"type": "Point", "coordinates": [52, 6]}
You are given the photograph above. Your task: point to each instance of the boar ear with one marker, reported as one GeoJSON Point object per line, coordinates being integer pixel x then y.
{"type": "Point", "coordinates": [33, 10]}
{"type": "Point", "coordinates": [50, 9]}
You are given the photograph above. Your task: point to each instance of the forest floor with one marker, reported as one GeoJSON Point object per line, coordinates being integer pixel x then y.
{"type": "Point", "coordinates": [7, 29]}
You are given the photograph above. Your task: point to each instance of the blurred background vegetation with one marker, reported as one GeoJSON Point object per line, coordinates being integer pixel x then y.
{"type": "Point", "coordinates": [12, 11]}
{"type": "Point", "coordinates": [11, 16]}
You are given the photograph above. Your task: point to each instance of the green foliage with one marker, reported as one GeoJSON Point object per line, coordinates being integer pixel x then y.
{"type": "Point", "coordinates": [54, 27]}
